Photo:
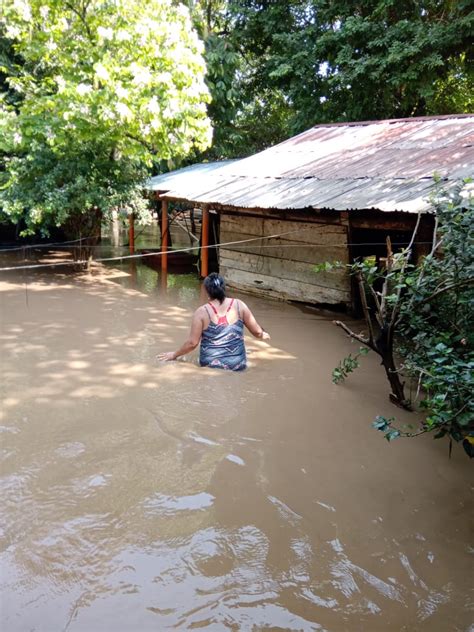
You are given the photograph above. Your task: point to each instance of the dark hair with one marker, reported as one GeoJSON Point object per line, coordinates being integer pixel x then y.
{"type": "Point", "coordinates": [215, 286]}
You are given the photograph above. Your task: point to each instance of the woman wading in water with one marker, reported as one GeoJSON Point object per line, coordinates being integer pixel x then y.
{"type": "Point", "coordinates": [219, 327]}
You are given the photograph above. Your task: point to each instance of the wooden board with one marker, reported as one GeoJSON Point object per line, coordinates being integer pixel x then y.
{"type": "Point", "coordinates": [291, 231]}
{"type": "Point", "coordinates": [302, 215]}
{"type": "Point", "coordinates": [307, 243]}
{"type": "Point", "coordinates": [283, 267]}
{"type": "Point", "coordinates": [304, 253]}
{"type": "Point", "coordinates": [274, 287]}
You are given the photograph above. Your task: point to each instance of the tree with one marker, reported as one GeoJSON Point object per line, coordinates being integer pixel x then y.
{"type": "Point", "coordinates": [237, 107]}
{"type": "Point", "coordinates": [101, 92]}
{"type": "Point", "coordinates": [421, 324]}
{"type": "Point", "coordinates": [223, 66]}
{"type": "Point", "coordinates": [302, 62]}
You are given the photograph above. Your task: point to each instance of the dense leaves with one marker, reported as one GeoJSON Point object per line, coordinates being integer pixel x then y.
{"type": "Point", "coordinates": [96, 92]}
{"type": "Point", "coordinates": [436, 328]}
{"type": "Point", "coordinates": [286, 66]}
{"type": "Point", "coordinates": [421, 323]}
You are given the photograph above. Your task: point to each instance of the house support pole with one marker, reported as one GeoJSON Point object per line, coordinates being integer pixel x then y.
{"type": "Point", "coordinates": [205, 241]}
{"type": "Point", "coordinates": [164, 236]}
{"type": "Point", "coordinates": [131, 233]}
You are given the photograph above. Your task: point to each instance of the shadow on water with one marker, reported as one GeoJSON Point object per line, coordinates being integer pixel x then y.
{"type": "Point", "coordinates": [140, 495]}
{"type": "Point", "coordinates": [183, 288]}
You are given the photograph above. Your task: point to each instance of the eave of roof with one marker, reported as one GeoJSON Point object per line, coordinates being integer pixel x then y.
{"type": "Point", "coordinates": [192, 173]}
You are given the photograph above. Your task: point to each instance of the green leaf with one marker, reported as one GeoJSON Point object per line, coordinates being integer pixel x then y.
{"type": "Point", "coordinates": [392, 434]}
{"type": "Point", "coordinates": [382, 423]}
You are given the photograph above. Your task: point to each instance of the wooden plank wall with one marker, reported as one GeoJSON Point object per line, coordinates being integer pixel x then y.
{"type": "Point", "coordinates": [283, 267]}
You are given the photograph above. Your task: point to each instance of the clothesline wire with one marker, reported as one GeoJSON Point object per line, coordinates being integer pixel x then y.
{"type": "Point", "coordinates": [58, 243]}
{"type": "Point", "coordinates": [183, 250]}
{"type": "Point", "coordinates": [72, 241]}
{"type": "Point", "coordinates": [296, 245]}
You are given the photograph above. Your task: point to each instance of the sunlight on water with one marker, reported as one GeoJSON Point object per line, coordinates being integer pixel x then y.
{"type": "Point", "coordinates": [140, 495]}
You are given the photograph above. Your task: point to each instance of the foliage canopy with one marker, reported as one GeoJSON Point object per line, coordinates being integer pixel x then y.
{"type": "Point", "coordinates": [277, 68]}
{"type": "Point", "coordinates": [96, 92]}
{"type": "Point", "coordinates": [421, 325]}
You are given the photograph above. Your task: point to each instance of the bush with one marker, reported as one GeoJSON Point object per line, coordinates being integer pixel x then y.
{"type": "Point", "coordinates": [424, 315]}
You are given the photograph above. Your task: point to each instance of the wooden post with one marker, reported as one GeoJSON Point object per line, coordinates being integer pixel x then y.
{"type": "Point", "coordinates": [205, 241]}
{"type": "Point", "coordinates": [131, 233]}
{"type": "Point", "coordinates": [354, 304]}
{"type": "Point", "coordinates": [164, 236]}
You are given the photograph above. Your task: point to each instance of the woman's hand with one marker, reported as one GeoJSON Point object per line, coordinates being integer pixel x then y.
{"type": "Point", "coordinates": [265, 335]}
{"type": "Point", "coordinates": [167, 356]}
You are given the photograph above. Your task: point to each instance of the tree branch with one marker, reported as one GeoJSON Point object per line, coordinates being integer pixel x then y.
{"type": "Point", "coordinates": [415, 230]}
{"type": "Point", "coordinates": [393, 319]}
{"type": "Point", "coordinates": [140, 141]}
{"type": "Point", "coordinates": [365, 341]}
{"type": "Point", "coordinates": [82, 16]}
{"type": "Point", "coordinates": [365, 308]}
{"type": "Point", "coordinates": [446, 288]}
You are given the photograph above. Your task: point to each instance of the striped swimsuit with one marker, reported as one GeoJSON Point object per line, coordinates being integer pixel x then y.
{"type": "Point", "coordinates": [222, 344]}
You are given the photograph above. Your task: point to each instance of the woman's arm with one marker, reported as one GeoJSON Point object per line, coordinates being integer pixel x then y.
{"type": "Point", "coordinates": [191, 342]}
{"type": "Point", "coordinates": [251, 323]}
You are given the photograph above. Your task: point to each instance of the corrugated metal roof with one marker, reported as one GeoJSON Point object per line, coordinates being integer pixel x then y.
{"type": "Point", "coordinates": [388, 165]}
{"type": "Point", "coordinates": [191, 174]}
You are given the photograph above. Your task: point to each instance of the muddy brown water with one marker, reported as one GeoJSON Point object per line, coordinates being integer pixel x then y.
{"type": "Point", "coordinates": [145, 496]}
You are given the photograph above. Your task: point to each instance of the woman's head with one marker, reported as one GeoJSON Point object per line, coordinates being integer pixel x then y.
{"type": "Point", "coordinates": [215, 286]}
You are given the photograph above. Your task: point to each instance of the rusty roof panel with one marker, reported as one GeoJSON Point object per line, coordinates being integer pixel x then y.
{"type": "Point", "coordinates": [387, 165]}
{"type": "Point", "coordinates": [343, 194]}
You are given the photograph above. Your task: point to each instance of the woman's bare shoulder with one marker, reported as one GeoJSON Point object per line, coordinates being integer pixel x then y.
{"type": "Point", "coordinates": [200, 313]}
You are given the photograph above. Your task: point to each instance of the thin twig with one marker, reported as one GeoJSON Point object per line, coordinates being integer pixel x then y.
{"type": "Point", "coordinates": [394, 321]}
{"type": "Point", "coordinates": [418, 389]}
{"type": "Point", "coordinates": [415, 230]}
{"type": "Point", "coordinates": [446, 288]}
{"type": "Point", "coordinates": [365, 341]}
{"type": "Point", "coordinates": [385, 283]}
{"type": "Point", "coordinates": [365, 308]}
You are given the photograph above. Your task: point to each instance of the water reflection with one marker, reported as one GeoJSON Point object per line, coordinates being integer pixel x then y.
{"type": "Point", "coordinates": [181, 288]}
{"type": "Point", "coordinates": [145, 496]}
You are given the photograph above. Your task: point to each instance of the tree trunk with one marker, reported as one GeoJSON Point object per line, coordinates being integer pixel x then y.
{"type": "Point", "coordinates": [85, 230]}
{"type": "Point", "coordinates": [160, 223]}
{"type": "Point", "coordinates": [193, 221]}
{"type": "Point", "coordinates": [397, 396]}
{"type": "Point", "coordinates": [384, 347]}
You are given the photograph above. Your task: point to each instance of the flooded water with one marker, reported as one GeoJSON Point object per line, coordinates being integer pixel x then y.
{"type": "Point", "coordinates": [145, 496]}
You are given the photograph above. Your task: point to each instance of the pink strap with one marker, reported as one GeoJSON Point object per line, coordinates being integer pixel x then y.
{"type": "Point", "coordinates": [215, 310]}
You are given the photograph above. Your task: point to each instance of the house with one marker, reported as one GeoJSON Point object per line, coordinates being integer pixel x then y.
{"type": "Point", "coordinates": [334, 192]}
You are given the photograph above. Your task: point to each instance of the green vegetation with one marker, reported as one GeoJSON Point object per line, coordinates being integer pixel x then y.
{"type": "Point", "coordinates": [278, 67]}
{"type": "Point", "coordinates": [347, 365]}
{"type": "Point", "coordinates": [421, 325]}
{"type": "Point", "coordinates": [94, 94]}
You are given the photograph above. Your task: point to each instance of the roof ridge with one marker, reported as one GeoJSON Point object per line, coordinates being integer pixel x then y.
{"type": "Point", "coordinates": [409, 119]}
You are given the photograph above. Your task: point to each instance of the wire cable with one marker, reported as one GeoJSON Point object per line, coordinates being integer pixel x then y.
{"type": "Point", "coordinates": [58, 243]}
{"type": "Point", "coordinates": [141, 255]}
{"type": "Point", "coordinates": [199, 248]}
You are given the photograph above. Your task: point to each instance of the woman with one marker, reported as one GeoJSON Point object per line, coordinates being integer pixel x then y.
{"type": "Point", "coordinates": [219, 327]}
